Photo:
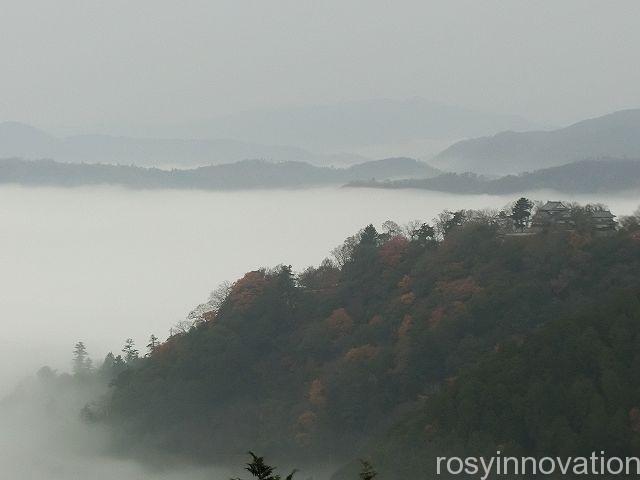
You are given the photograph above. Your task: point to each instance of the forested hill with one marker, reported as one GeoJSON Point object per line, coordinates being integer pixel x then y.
{"type": "Point", "coordinates": [613, 135]}
{"type": "Point", "coordinates": [239, 175]}
{"type": "Point", "coordinates": [410, 343]}
{"type": "Point", "coordinates": [587, 176]}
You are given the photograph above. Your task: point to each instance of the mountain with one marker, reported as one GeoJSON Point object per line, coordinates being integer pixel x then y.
{"type": "Point", "coordinates": [345, 126]}
{"type": "Point", "coordinates": [20, 140]}
{"type": "Point", "coordinates": [405, 347]}
{"type": "Point", "coordinates": [245, 174]}
{"type": "Point", "coordinates": [587, 176]}
{"type": "Point", "coordinates": [615, 135]}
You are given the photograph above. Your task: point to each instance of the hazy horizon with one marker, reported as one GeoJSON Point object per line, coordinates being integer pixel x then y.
{"type": "Point", "coordinates": [156, 64]}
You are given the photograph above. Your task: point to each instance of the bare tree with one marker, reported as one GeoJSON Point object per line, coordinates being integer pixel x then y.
{"type": "Point", "coordinates": [411, 227]}
{"type": "Point", "coordinates": [219, 295]}
{"type": "Point", "coordinates": [391, 228]}
{"type": "Point", "coordinates": [343, 253]}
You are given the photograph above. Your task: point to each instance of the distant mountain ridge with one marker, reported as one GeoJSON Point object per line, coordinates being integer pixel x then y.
{"type": "Point", "coordinates": [25, 141]}
{"type": "Point", "coordinates": [359, 123]}
{"type": "Point", "coordinates": [587, 176]}
{"type": "Point", "coordinates": [616, 135]}
{"type": "Point", "coordinates": [246, 174]}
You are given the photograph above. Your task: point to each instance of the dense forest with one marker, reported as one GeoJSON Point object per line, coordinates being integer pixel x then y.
{"type": "Point", "coordinates": [408, 343]}
{"type": "Point", "coordinates": [586, 176]}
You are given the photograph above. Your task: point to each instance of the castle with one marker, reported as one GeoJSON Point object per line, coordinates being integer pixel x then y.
{"type": "Point", "coordinates": [558, 216]}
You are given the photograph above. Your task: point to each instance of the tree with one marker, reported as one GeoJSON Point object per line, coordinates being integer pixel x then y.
{"type": "Point", "coordinates": [369, 236]}
{"type": "Point", "coordinates": [521, 213]}
{"type": "Point", "coordinates": [423, 234]}
{"type": "Point", "coordinates": [259, 469]}
{"type": "Point", "coordinates": [130, 351]}
{"type": "Point", "coordinates": [449, 220]}
{"type": "Point", "coordinates": [391, 228]}
{"type": "Point", "coordinates": [631, 222]}
{"type": "Point", "coordinates": [367, 471]}
{"type": "Point", "coordinates": [343, 254]}
{"type": "Point", "coordinates": [410, 227]}
{"type": "Point", "coordinates": [81, 361]}
{"type": "Point", "coordinates": [181, 327]}
{"type": "Point", "coordinates": [153, 344]}
{"type": "Point", "coordinates": [220, 295]}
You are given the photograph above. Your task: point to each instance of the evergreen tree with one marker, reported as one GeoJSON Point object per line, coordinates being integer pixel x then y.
{"type": "Point", "coordinates": [130, 351]}
{"type": "Point", "coordinates": [260, 470]}
{"type": "Point", "coordinates": [106, 370]}
{"type": "Point", "coordinates": [367, 471]}
{"type": "Point", "coordinates": [152, 345]}
{"type": "Point", "coordinates": [118, 365]}
{"type": "Point", "coordinates": [521, 212]}
{"type": "Point", "coordinates": [369, 236]}
{"type": "Point", "coordinates": [81, 363]}
{"type": "Point", "coordinates": [286, 285]}
{"type": "Point", "coordinates": [424, 234]}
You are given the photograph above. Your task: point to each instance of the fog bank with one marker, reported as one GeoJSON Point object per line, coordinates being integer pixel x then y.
{"type": "Point", "coordinates": [103, 264]}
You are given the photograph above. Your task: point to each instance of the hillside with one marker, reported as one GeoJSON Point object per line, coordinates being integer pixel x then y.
{"type": "Point", "coordinates": [616, 135]}
{"type": "Point", "coordinates": [245, 174]}
{"type": "Point", "coordinates": [407, 345]}
{"type": "Point", "coordinates": [587, 176]}
{"type": "Point", "coordinates": [25, 141]}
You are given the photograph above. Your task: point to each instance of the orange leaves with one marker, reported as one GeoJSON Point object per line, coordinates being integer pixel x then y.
{"type": "Point", "coordinates": [247, 289]}
{"type": "Point", "coordinates": [405, 326]}
{"type": "Point", "coordinates": [339, 322]}
{"type": "Point", "coordinates": [459, 289]}
{"type": "Point", "coordinates": [405, 283]}
{"type": "Point", "coordinates": [307, 420]}
{"type": "Point", "coordinates": [437, 315]}
{"type": "Point", "coordinates": [407, 298]}
{"type": "Point", "coordinates": [305, 425]}
{"type": "Point", "coordinates": [362, 353]}
{"type": "Point", "coordinates": [317, 394]}
{"type": "Point", "coordinates": [392, 251]}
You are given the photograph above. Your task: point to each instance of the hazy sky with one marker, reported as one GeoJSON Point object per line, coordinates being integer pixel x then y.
{"type": "Point", "coordinates": [87, 63]}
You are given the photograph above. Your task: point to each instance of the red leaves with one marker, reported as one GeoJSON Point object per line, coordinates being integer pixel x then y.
{"type": "Point", "coordinates": [339, 322]}
{"type": "Point", "coordinates": [391, 252]}
{"type": "Point", "coordinates": [247, 289]}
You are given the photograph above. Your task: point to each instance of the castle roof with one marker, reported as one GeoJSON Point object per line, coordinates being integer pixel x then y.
{"type": "Point", "coordinates": [549, 206]}
{"type": "Point", "coordinates": [602, 214]}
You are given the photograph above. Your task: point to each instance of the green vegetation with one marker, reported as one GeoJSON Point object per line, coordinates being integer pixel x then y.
{"type": "Point", "coordinates": [587, 176]}
{"type": "Point", "coordinates": [260, 470]}
{"type": "Point", "coordinates": [413, 342]}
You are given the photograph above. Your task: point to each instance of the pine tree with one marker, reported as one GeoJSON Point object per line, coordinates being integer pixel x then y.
{"type": "Point", "coordinates": [153, 344]}
{"type": "Point", "coordinates": [367, 471]}
{"type": "Point", "coordinates": [80, 358]}
{"type": "Point", "coordinates": [521, 212]}
{"type": "Point", "coordinates": [424, 234]}
{"type": "Point", "coordinates": [369, 236]}
{"type": "Point", "coordinates": [130, 351]}
{"type": "Point", "coordinates": [260, 470]}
